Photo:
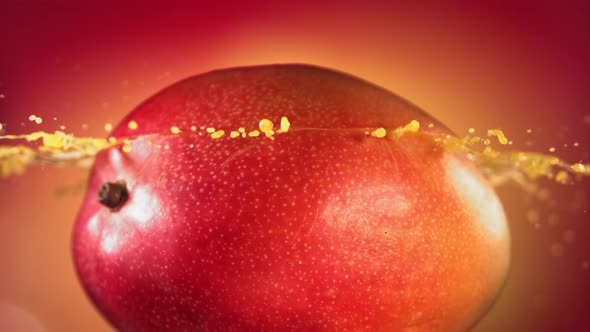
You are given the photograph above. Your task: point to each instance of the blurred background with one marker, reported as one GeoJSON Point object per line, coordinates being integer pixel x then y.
{"type": "Point", "coordinates": [522, 67]}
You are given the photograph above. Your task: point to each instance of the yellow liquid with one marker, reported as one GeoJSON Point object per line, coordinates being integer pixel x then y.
{"type": "Point", "coordinates": [60, 148]}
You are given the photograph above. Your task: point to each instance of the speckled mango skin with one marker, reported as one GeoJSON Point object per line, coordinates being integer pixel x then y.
{"type": "Point", "coordinates": [317, 230]}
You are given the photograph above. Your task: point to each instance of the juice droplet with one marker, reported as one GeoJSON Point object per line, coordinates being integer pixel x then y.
{"type": "Point", "coordinates": [500, 134]}
{"type": "Point", "coordinates": [285, 124]}
{"type": "Point", "coordinates": [562, 177]}
{"type": "Point", "coordinates": [132, 125]}
{"type": "Point", "coordinates": [379, 133]}
{"type": "Point", "coordinates": [412, 127]}
{"type": "Point", "coordinates": [266, 127]}
{"type": "Point", "coordinates": [581, 168]}
{"type": "Point", "coordinates": [217, 134]}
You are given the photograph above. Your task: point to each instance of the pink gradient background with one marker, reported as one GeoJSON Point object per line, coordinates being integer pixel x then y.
{"type": "Point", "coordinates": [512, 66]}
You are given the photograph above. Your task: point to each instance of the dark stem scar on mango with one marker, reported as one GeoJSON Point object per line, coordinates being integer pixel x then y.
{"type": "Point", "coordinates": [113, 195]}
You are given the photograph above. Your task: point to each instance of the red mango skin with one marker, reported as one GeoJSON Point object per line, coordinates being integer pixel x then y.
{"type": "Point", "coordinates": [321, 229]}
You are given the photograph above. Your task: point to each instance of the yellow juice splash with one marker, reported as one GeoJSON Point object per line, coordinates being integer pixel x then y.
{"type": "Point", "coordinates": [59, 148]}
{"type": "Point", "coordinates": [487, 152]}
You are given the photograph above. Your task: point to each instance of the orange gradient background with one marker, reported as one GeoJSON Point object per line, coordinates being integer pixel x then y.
{"type": "Point", "coordinates": [504, 65]}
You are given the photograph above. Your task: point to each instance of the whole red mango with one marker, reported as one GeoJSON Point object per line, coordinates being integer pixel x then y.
{"type": "Point", "coordinates": [320, 228]}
